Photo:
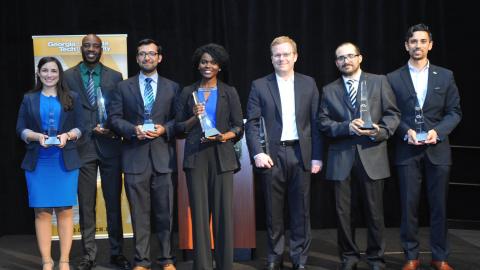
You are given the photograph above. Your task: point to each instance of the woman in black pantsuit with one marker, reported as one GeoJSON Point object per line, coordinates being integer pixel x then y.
{"type": "Point", "coordinates": [209, 162]}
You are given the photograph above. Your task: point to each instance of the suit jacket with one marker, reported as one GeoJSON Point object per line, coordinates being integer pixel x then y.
{"type": "Point", "coordinates": [106, 147]}
{"type": "Point", "coordinates": [127, 111]}
{"type": "Point", "coordinates": [29, 118]}
{"type": "Point", "coordinates": [336, 113]}
{"type": "Point", "coordinates": [441, 111]}
{"type": "Point", "coordinates": [264, 100]}
{"type": "Point", "coordinates": [228, 118]}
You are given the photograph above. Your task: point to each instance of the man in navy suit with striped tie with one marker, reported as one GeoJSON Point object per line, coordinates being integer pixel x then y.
{"type": "Point", "coordinates": [143, 113]}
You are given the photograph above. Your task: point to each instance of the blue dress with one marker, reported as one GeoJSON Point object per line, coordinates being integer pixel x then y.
{"type": "Point", "coordinates": [50, 184]}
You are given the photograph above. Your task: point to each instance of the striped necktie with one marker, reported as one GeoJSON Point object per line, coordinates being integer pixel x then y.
{"type": "Point", "coordinates": [148, 93]}
{"type": "Point", "coordinates": [91, 88]}
{"type": "Point", "coordinates": [352, 92]}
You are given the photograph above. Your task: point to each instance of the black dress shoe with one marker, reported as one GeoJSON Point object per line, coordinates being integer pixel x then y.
{"type": "Point", "coordinates": [274, 266]}
{"type": "Point", "coordinates": [299, 267]}
{"type": "Point", "coordinates": [85, 264]}
{"type": "Point", "coordinates": [120, 262]}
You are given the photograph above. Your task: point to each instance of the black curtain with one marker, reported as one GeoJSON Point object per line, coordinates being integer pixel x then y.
{"type": "Point", "coordinates": [245, 28]}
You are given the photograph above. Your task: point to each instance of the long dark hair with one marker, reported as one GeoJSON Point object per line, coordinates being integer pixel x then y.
{"type": "Point", "coordinates": [62, 91]}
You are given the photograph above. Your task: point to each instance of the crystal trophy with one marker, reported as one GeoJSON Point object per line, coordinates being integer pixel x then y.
{"type": "Point", "coordinates": [420, 125]}
{"type": "Point", "coordinates": [148, 122]}
{"type": "Point", "coordinates": [207, 126]}
{"type": "Point", "coordinates": [102, 112]}
{"type": "Point", "coordinates": [364, 111]}
{"type": "Point", "coordinates": [52, 131]}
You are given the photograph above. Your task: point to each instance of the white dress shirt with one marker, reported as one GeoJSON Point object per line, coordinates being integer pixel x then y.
{"type": "Point", "coordinates": [420, 81]}
{"type": "Point", "coordinates": [287, 97]}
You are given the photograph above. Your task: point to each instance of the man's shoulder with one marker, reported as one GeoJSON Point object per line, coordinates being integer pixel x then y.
{"type": "Point", "coordinates": [69, 72]}
{"type": "Point", "coordinates": [396, 72]}
{"type": "Point", "coordinates": [439, 69]}
{"type": "Point", "coordinates": [264, 79]}
{"type": "Point", "coordinates": [167, 81]}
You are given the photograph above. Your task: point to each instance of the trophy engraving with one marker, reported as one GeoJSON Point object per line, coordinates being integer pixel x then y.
{"type": "Point", "coordinates": [364, 109]}
{"type": "Point", "coordinates": [52, 131]}
{"type": "Point", "coordinates": [420, 125]}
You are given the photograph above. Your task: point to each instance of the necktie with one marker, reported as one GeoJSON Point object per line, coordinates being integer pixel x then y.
{"type": "Point", "coordinates": [91, 88]}
{"type": "Point", "coordinates": [149, 99]}
{"type": "Point", "coordinates": [352, 92]}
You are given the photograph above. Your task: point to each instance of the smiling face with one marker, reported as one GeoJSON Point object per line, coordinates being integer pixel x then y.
{"type": "Point", "coordinates": [208, 67]}
{"type": "Point", "coordinates": [91, 49]}
{"type": "Point", "coordinates": [148, 58]}
{"type": "Point", "coordinates": [49, 74]}
{"type": "Point", "coordinates": [283, 58]}
{"type": "Point", "coordinates": [418, 45]}
{"type": "Point", "coordinates": [348, 59]}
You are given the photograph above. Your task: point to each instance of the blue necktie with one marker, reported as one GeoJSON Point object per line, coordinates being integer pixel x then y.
{"type": "Point", "coordinates": [352, 92]}
{"type": "Point", "coordinates": [91, 89]}
{"type": "Point", "coordinates": [148, 93]}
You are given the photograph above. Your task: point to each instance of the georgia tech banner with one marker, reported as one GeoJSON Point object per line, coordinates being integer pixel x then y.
{"type": "Point", "coordinates": [66, 48]}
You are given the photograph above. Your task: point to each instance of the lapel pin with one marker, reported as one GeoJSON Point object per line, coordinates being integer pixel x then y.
{"type": "Point", "coordinates": [435, 72]}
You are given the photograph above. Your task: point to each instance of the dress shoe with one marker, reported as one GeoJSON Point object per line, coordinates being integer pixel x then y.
{"type": "Point", "coordinates": [169, 266]}
{"type": "Point", "coordinates": [440, 265]}
{"type": "Point", "coordinates": [411, 265]}
{"type": "Point", "coordinates": [299, 267]}
{"type": "Point", "coordinates": [274, 266]}
{"type": "Point", "coordinates": [120, 262]}
{"type": "Point", "coordinates": [85, 264]}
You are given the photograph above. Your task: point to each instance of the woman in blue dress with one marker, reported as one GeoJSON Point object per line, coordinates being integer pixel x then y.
{"type": "Point", "coordinates": [49, 121]}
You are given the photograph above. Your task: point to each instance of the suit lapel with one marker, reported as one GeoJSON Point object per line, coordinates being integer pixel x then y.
{"type": "Point", "coordinates": [432, 78]}
{"type": "Point", "coordinates": [407, 80]}
{"type": "Point", "coordinates": [297, 91]}
{"type": "Point", "coordinates": [83, 92]}
{"type": "Point", "coordinates": [134, 87]}
{"type": "Point", "coordinates": [221, 98]}
{"type": "Point", "coordinates": [275, 92]}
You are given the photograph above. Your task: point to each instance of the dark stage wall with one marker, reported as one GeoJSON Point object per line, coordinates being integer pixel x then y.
{"type": "Point", "coordinates": [246, 28]}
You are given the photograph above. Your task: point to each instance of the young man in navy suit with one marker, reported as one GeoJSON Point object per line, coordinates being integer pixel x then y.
{"type": "Point", "coordinates": [99, 148]}
{"type": "Point", "coordinates": [143, 113]}
{"type": "Point", "coordinates": [427, 93]}
{"type": "Point", "coordinates": [288, 103]}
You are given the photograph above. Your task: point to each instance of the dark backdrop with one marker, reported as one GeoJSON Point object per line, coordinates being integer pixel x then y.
{"type": "Point", "coordinates": [246, 28]}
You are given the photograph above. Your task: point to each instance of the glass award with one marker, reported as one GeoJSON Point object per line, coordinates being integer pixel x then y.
{"type": "Point", "coordinates": [148, 122]}
{"type": "Point", "coordinates": [364, 110]}
{"type": "Point", "coordinates": [52, 131]}
{"type": "Point", "coordinates": [102, 112]}
{"type": "Point", "coordinates": [208, 128]}
{"type": "Point", "coordinates": [420, 125]}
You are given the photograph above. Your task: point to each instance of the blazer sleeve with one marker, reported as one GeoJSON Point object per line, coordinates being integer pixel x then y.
{"type": "Point", "coordinates": [78, 112]}
{"type": "Point", "coordinates": [22, 117]}
{"type": "Point", "coordinates": [236, 115]}
{"type": "Point", "coordinates": [254, 111]}
{"type": "Point", "coordinates": [327, 124]}
{"type": "Point", "coordinates": [452, 110]}
{"type": "Point", "coordinates": [390, 119]}
{"type": "Point", "coordinates": [317, 139]}
{"type": "Point", "coordinates": [117, 121]}
{"type": "Point", "coordinates": [170, 125]}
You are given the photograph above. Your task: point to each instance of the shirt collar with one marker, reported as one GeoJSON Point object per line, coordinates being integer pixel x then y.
{"type": "Point", "coordinates": [154, 77]}
{"type": "Point", "coordinates": [85, 70]}
{"type": "Point", "coordinates": [414, 69]}
{"type": "Point", "coordinates": [355, 77]}
{"type": "Point", "coordinates": [289, 80]}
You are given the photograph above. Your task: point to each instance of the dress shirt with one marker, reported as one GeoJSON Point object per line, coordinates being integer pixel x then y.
{"type": "Point", "coordinates": [287, 97]}
{"type": "Point", "coordinates": [153, 83]}
{"type": "Point", "coordinates": [420, 81]}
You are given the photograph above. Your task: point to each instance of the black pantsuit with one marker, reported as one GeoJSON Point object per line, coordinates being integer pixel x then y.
{"type": "Point", "coordinates": [210, 193]}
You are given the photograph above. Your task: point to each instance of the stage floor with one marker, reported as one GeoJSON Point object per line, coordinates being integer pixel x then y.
{"type": "Point", "coordinates": [19, 252]}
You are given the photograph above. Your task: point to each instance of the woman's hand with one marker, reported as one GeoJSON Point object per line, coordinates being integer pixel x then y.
{"type": "Point", "coordinates": [63, 139]}
{"type": "Point", "coordinates": [41, 139]}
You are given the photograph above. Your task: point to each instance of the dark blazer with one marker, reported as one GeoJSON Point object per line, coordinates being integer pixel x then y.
{"type": "Point", "coordinates": [264, 100]}
{"type": "Point", "coordinates": [29, 118]}
{"type": "Point", "coordinates": [441, 112]}
{"type": "Point", "coordinates": [106, 147]}
{"type": "Point", "coordinates": [336, 112]}
{"type": "Point", "coordinates": [127, 111]}
{"type": "Point", "coordinates": [228, 118]}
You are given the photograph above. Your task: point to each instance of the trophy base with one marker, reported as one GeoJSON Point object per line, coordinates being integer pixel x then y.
{"type": "Point", "coordinates": [367, 126]}
{"type": "Point", "coordinates": [421, 137]}
{"type": "Point", "coordinates": [148, 127]}
{"type": "Point", "coordinates": [52, 141]}
{"type": "Point", "coordinates": [211, 132]}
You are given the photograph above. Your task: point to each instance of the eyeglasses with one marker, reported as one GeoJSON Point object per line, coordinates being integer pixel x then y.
{"type": "Point", "coordinates": [342, 58]}
{"type": "Point", "coordinates": [279, 55]}
{"type": "Point", "coordinates": [144, 54]}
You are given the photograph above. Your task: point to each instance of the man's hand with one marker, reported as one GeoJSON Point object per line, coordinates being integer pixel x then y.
{"type": "Point", "coordinates": [316, 166]}
{"type": "Point", "coordinates": [263, 160]}
{"type": "Point", "coordinates": [103, 131]}
{"type": "Point", "coordinates": [159, 131]}
{"type": "Point", "coordinates": [412, 138]}
{"type": "Point", "coordinates": [356, 125]}
{"type": "Point", "coordinates": [139, 132]}
{"type": "Point", "coordinates": [432, 137]}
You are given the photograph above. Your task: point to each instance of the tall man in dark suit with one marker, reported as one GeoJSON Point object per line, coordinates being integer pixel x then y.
{"type": "Point", "coordinates": [288, 103]}
{"type": "Point", "coordinates": [148, 153]}
{"type": "Point", "coordinates": [357, 157]}
{"type": "Point", "coordinates": [427, 93]}
{"type": "Point", "coordinates": [99, 148]}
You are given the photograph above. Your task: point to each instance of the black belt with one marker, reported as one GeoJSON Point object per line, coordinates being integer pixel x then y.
{"type": "Point", "coordinates": [289, 143]}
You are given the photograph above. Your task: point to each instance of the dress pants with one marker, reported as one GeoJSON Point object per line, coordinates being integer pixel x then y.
{"type": "Point", "coordinates": [210, 193]}
{"type": "Point", "coordinates": [351, 195]}
{"type": "Point", "coordinates": [150, 196]}
{"type": "Point", "coordinates": [111, 179]}
{"type": "Point", "coordinates": [436, 178]}
{"type": "Point", "coordinates": [287, 181]}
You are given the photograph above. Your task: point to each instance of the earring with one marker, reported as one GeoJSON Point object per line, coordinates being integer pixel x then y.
{"type": "Point", "coordinates": [219, 69]}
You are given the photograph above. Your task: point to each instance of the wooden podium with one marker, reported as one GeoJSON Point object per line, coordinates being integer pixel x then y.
{"type": "Point", "coordinates": [243, 208]}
